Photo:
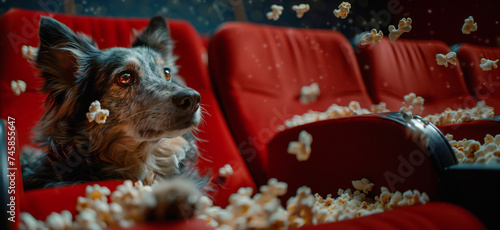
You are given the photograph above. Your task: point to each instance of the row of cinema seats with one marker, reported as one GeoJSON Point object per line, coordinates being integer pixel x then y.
{"type": "Point", "coordinates": [258, 72]}
{"type": "Point", "coordinates": [251, 86]}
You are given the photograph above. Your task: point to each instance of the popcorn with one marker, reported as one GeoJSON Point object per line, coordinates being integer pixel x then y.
{"type": "Point", "coordinates": [334, 111]}
{"type": "Point", "coordinates": [373, 37]}
{"type": "Point", "coordinates": [472, 152]}
{"type": "Point", "coordinates": [28, 222]}
{"type": "Point", "coordinates": [469, 25]}
{"type": "Point", "coordinates": [309, 93]}
{"type": "Point", "coordinates": [487, 64]}
{"type": "Point", "coordinates": [442, 59]}
{"type": "Point", "coordinates": [449, 116]}
{"type": "Point", "coordinates": [343, 10]}
{"type": "Point", "coordinates": [379, 108]}
{"type": "Point", "coordinates": [302, 148]}
{"type": "Point", "coordinates": [404, 26]}
{"type": "Point", "coordinates": [226, 171]}
{"type": "Point", "coordinates": [96, 113]}
{"type": "Point", "coordinates": [300, 9]}
{"type": "Point", "coordinates": [262, 211]}
{"type": "Point", "coordinates": [18, 87]}
{"type": "Point", "coordinates": [363, 185]}
{"type": "Point", "coordinates": [29, 52]}
{"type": "Point", "coordinates": [275, 14]}
{"type": "Point", "coordinates": [413, 101]}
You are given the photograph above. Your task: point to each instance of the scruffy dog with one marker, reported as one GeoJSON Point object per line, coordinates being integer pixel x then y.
{"type": "Point", "coordinates": [148, 134]}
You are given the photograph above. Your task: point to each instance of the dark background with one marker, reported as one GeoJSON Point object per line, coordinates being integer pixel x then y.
{"type": "Point", "coordinates": [432, 19]}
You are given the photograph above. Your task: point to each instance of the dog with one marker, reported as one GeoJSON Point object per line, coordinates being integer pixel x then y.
{"type": "Point", "coordinates": [148, 135]}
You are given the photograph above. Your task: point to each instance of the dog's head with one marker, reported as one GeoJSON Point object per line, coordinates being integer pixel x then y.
{"type": "Point", "coordinates": [137, 85]}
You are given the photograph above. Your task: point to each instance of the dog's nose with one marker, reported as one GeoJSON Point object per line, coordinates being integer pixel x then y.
{"type": "Point", "coordinates": [186, 99]}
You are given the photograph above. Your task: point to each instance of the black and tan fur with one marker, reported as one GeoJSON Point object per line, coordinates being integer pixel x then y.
{"type": "Point", "coordinates": [148, 134]}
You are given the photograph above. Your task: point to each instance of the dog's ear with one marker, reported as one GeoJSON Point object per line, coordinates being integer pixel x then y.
{"type": "Point", "coordinates": [60, 54]}
{"type": "Point", "coordinates": [156, 36]}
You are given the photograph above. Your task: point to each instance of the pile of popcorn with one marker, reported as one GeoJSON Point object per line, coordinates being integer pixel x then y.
{"type": "Point", "coordinates": [127, 207]}
{"type": "Point", "coordinates": [264, 210]}
{"type": "Point", "coordinates": [449, 116]}
{"type": "Point", "coordinates": [471, 151]}
{"type": "Point", "coordinates": [334, 111]}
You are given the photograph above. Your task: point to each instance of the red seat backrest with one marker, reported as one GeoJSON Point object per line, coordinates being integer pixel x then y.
{"type": "Point", "coordinates": [21, 28]}
{"type": "Point", "coordinates": [392, 71]}
{"type": "Point", "coordinates": [258, 72]}
{"type": "Point", "coordinates": [484, 85]}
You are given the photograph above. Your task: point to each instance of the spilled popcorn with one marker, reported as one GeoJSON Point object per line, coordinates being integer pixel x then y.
{"type": "Point", "coordinates": [96, 113]}
{"type": "Point", "coordinates": [373, 37]}
{"type": "Point", "coordinates": [275, 14]}
{"type": "Point", "coordinates": [226, 171]}
{"type": "Point", "coordinates": [449, 116]}
{"type": "Point", "coordinates": [343, 10]}
{"type": "Point", "coordinates": [18, 87]}
{"type": "Point", "coordinates": [309, 93]}
{"type": "Point", "coordinates": [487, 65]}
{"type": "Point", "coordinates": [450, 57]}
{"type": "Point", "coordinates": [127, 207]}
{"type": "Point", "coordinates": [404, 26]}
{"type": "Point", "coordinates": [302, 148]}
{"type": "Point", "coordinates": [334, 111]}
{"type": "Point", "coordinates": [471, 151]}
{"type": "Point", "coordinates": [264, 211]}
{"type": "Point", "coordinates": [469, 25]}
{"type": "Point", "coordinates": [300, 9]}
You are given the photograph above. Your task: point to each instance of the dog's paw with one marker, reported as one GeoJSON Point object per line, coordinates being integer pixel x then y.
{"type": "Point", "coordinates": [175, 199]}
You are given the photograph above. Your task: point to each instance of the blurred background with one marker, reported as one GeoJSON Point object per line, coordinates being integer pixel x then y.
{"type": "Point", "coordinates": [440, 20]}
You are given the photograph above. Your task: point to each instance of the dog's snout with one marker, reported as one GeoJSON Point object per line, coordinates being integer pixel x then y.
{"type": "Point", "coordinates": [186, 99]}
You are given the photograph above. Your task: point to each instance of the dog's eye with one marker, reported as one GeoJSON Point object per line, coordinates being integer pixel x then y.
{"type": "Point", "coordinates": [167, 73]}
{"type": "Point", "coordinates": [126, 79]}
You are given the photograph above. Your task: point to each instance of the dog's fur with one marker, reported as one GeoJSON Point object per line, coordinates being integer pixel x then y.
{"type": "Point", "coordinates": [148, 134]}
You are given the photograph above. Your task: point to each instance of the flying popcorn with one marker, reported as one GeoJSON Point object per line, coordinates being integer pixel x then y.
{"type": "Point", "coordinates": [404, 26]}
{"type": "Point", "coordinates": [18, 87]}
{"type": "Point", "coordinates": [302, 148]}
{"type": "Point", "coordinates": [275, 14]}
{"type": "Point", "coordinates": [226, 171]}
{"type": "Point", "coordinates": [487, 64]}
{"type": "Point", "coordinates": [300, 9]}
{"type": "Point", "coordinates": [343, 10]}
{"type": "Point", "coordinates": [442, 59]}
{"type": "Point", "coordinates": [309, 93]}
{"type": "Point", "coordinates": [363, 185]}
{"type": "Point", "coordinates": [469, 25]}
{"type": "Point", "coordinates": [96, 113]}
{"type": "Point", "coordinates": [373, 37]}
{"type": "Point", "coordinates": [472, 152]}
{"type": "Point", "coordinates": [413, 101]}
{"type": "Point", "coordinates": [29, 52]}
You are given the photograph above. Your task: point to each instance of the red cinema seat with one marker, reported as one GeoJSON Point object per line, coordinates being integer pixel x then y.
{"type": "Point", "coordinates": [21, 28]}
{"type": "Point", "coordinates": [392, 71]}
{"type": "Point", "coordinates": [484, 85]}
{"type": "Point", "coordinates": [258, 72]}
